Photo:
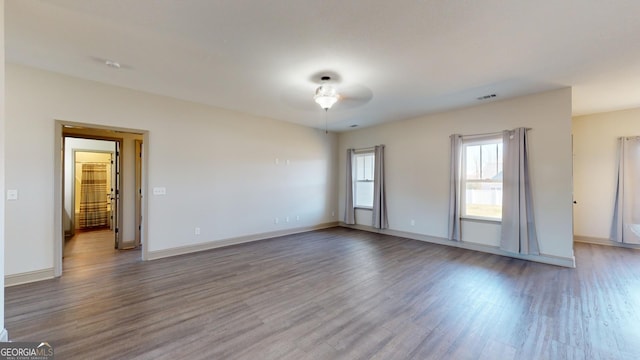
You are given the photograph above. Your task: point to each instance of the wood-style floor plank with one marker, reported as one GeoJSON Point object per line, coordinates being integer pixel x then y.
{"type": "Point", "coordinates": [331, 294]}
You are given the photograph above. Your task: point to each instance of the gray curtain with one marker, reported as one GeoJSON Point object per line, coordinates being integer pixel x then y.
{"type": "Point", "coordinates": [349, 210]}
{"type": "Point", "coordinates": [518, 234]}
{"type": "Point", "coordinates": [379, 200]}
{"type": "Point", "coordinates": [454, 187]}
{"type": "Point", "coordinates": [626, 212]}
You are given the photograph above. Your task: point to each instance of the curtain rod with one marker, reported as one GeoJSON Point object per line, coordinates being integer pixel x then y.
{"type": "Point", "coordinates": [490, 133]}
{"type": "Point", "coordinates": [365, 149]}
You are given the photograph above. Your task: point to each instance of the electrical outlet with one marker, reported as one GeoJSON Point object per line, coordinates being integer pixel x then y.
{"type": "Point", "coordinates": [197, 231]}
{"type": "Point", "coordinates": [276, 221]}
{"type": "Point", "coordinates": [413, 222]}
{"type": "Point", "coordinates": [298, 218]}
{"type": "Point", "coordinates": [333, 213]}
{"type": "Point", "coordinates": [286, 219]}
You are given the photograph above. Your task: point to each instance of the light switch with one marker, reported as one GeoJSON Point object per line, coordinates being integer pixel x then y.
{"type": "Point", "coordinates": [159, 191]}
{"type": "Point", "coordinates": [12, 194]}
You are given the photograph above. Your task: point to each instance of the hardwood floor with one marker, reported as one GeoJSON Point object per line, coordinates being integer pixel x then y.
{"type": "Point", "coordinates": [89, 249]}
{"type": "Point", "coordinates": [335, 294]}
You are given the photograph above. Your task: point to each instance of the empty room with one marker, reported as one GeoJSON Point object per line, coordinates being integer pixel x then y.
{"type": "Point", "coordinates": [320, 180]}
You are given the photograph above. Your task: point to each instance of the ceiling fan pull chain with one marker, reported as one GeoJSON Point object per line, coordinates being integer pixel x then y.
{"type": "Point", "coordinates": [326, 124]}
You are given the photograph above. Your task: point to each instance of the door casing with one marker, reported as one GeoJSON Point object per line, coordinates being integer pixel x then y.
{"type": "Point", "coordinates": [91, 131]}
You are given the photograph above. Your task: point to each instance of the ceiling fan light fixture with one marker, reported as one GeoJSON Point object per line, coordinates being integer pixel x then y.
{"type": "Point", "coordinates": [326, 96]}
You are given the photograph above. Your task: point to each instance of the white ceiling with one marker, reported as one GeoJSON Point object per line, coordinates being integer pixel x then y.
{"type": "Point", "coordinates": [408, 57]}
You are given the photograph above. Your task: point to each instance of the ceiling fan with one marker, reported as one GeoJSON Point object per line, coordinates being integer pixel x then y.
{"type": "Point", "coordinates": [326, 95]}
{"type": "Point", "coordinates": [326, 90]}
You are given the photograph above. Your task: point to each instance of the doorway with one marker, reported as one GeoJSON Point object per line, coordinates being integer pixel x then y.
{"type": "Point", "coordinates": [92, 179]}
{"type": "Point", "coordinates": [101, 178]}
{"type": "Point", "coordinates": [89, 185]}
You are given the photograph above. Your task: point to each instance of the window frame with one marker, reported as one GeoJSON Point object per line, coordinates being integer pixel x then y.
{"type": "Point", "coordinates": [355, 177]}
{"type": "Point", "coordinates": [477, 141]}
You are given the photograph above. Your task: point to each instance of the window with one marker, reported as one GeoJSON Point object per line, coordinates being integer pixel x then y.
{"type": "Point", "coordinates": [482, 178]}
{"type": "Point", "coordinates": [364, 164]}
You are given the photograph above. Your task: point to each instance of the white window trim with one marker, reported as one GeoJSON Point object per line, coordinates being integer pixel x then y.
{"type": "Point", "coordinates": [471, 218]}
{"type": "Point", "coordinates": [356, 153]}
{"type": "Point", "coordinates": [479, 140]}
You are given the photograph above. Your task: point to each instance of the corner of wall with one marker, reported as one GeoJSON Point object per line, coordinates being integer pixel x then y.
{"type": "Point", "coordinates": [3, 334]}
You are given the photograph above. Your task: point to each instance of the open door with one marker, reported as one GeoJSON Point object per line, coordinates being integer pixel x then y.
{"type": "Point", "coordinates": [115, 198]}
{"type": "Point", "coordinates": [138, 211]}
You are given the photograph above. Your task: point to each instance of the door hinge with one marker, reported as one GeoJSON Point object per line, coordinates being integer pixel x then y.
{"type": "Point", "coordinates": [117, 230]}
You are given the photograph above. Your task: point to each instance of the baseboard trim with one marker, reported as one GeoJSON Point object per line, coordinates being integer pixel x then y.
{"type": "Point", "coordinates": [602, 241]}
{"type": "Point", "coordinates": [545, 259]}
{"type": "Point", "coordinates": [159, 254]}
{"type": "Point", "coordinates": [28, 277]}
{"type": "Point", "coordinates": [4, 335]}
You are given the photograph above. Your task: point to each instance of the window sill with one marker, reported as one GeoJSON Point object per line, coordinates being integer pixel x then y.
{"type": "Point", "coordinates": [486, 221]}
{"type": "Point", "coordinates": [363, 208]}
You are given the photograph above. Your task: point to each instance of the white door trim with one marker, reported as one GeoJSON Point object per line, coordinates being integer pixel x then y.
{"type": "Point", "coordinates": [58, 191]}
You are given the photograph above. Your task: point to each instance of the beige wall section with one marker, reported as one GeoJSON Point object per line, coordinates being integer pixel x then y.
{"type": "Point", "coordinates": [3, 332]}
{"type": "Point", "coordinates": [218, 166]}
{"type": "Point", "coordinates": [417, 167]}
{"type": "Point", "coordinates": [595, 166]}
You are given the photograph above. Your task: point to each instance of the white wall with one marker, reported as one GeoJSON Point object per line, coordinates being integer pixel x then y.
{"type": "Point", "coordinates": [417, 167]}
{"type": "Point", "coordinates": [595, 166]}
{"type": "Point", "coordinates": [218, 166]}
{"type": "Point", "coordinates": [3, 333]}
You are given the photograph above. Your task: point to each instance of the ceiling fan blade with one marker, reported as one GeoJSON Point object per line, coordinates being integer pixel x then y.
{"type": "Point", "coordinates": [354, 96]}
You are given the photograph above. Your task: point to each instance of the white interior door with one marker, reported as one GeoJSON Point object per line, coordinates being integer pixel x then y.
{"type": "Point", "coordinates": [138, 212]}
{"type": "Point", "coordinates": [115, 200]}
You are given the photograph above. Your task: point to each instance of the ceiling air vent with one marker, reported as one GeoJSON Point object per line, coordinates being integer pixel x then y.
{"type": "Point", "coordinates": [487, 97]}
